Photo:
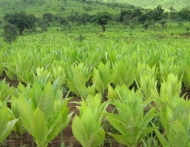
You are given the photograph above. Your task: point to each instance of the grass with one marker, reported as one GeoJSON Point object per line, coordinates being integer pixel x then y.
{"type": "Point", "coordinates": [177, 5]}
{"type": "Point", "coordinates": [69, 7]}
{"type": "Point", "coordinates": [56, 7]}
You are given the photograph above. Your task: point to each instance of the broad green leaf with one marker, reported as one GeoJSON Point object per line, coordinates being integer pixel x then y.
{"type": "Point", "coordinates": [7, 130]}
{"type": "Point", "coordinates": [161, 138]}
{"type": "Point", "coordinates": [79, 131]}
{"type": "Point", "coordinates": [89, 122]}
{"type": "Point", "coordinates": [67, 121]}
{"type": "Point", "coordinates": [46, 102]}
{"type": "Point", "coordinates": [55, 128]}
{"type": "Point", "coordinates": [112, 94]}
{"type": "Point", "coordinates": [35, 94]}
{"type": "Point", "coordinates": [120, 139]}
{"type": "Point", "coordinates": [58, 124]}
{"type": "Point", "coordinates": [25, 113]}
{"type": "Point", "coordinates": [97, 138]}
{"type": "Point", "coordinates": [39, 126]}
{"type": "Point", "coordinates": [118, 124]}
{"type": "Point", "coordinates": [3, 118]}
{"type": "Point", "coordinates": [148, 117]}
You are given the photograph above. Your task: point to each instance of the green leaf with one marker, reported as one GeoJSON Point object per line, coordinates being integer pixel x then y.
{"type": "Point", "coordinates": [148, 117]}
{"type": "Point", "coordinates": [161, 138]}
{"type": "Point", "coordinates": [97, 138]}
{"type": "Point", "coordinates": [46, 103]}
{"type": "Point", "coordinates": [79, 131]}
{"type": "Point", "coordinates": [3, 118]}
{"type": "Point", "coordinates": [25, 113]}
{"type": "Point", "coordinates": [89, 122]}
{"type": "Point", "coordinates": [35, 94]}
{"type": "Point", "coordinates": [120, 139]}
{"type": "Point", "coordinates": [117, 123]}
{"type": "Point", "coordinates": [54, 129]}
{"type": "Point", "coordinates": [39, 127]}
{"type": "Point", "coordinates": [67, 121]}
{"type": "Point", "coordinates": [7, 130]}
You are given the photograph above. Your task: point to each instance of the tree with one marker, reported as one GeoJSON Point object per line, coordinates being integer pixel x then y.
{"type": "Point", "coordinates": [184, 14]}
{"type": "Point", "coordinates": [102, 19]}
{"type": "Point", "coordinates": [21, 21]}
{"type": "Point", "coordinates": [158, 13]}
{"type": "Point", "coordinates": [172, 9]}
{"type": "Point", "coordinates": [47, 17]}
{"type": "Point", "coordinates": [143, 18]}
{"type": "Point", "coordinates": [10, 33]}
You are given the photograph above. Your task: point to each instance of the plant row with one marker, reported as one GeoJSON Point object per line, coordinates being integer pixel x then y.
{"type": "Point", "coordinates": [134, 119]}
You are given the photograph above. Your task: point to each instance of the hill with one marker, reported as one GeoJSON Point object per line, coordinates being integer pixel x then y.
{"type": "Point", "coordinates": [166, 4]}
{"type": "Point", "coordinates": [64, 8]}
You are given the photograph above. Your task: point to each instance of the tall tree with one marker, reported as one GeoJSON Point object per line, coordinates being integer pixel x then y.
{"type": "Point", "coordinates": [21, 20]}
{"type": "Point", "coordinates": [102, 19]}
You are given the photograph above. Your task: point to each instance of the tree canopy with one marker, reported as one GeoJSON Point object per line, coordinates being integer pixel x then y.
{"type": "Point", "coordinates": [102, 19]}
{"type": "Point", "coordinates": [10, 33]}
{"type": "Point", "coordinates": [21, 21]}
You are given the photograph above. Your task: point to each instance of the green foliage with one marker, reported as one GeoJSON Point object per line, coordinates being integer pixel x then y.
{"type": "Point", "coordinates": [186, 75]}
{"type": "Point", "coordinates": [87, 126]}
{"type": "Point", "coordinates": [78, 77]}
{"type": "Point", "coordinates": [148, 84]}
{"type": "Point", "coordinates": [1, 64]}
{"type": "Point", "coordinates": [174, 117]}
{"type": "Point", "coordinates": [21, 20]}
{"type": "Point", "coordinates": [158, 64]}
{"type": "Point", "coordinates": [5, 91]}
{"type": "Point", "coordinates": [125, 73]}
{"type": "Point", "coordinates": [173, 113]}
{"type": "Point", "coordinates": [10, 33]}
{"type": "Point", "coordinates": [102, 19]}
{"type": "Point", "coordinates": [130, 121]}
{"type": "Point", "coordinates": [102, 77]}
{"type": "Point", "coordinates": [143, 70]}
{"type": "Point", "coordinates": [43, 112]}
{"type": "Point", "coordinates": [169, 89]}
{"type": "Point", "coordinates": [6, 125]}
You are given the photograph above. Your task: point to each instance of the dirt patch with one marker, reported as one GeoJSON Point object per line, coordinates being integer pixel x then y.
{"type": "Point", "coordinates": [12, 83]}
{"type": "Point", "coordinates": [185, 93]}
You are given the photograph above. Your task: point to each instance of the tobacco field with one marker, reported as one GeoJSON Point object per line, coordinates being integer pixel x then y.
{"type": "Point", "coordinates": [100, 89]}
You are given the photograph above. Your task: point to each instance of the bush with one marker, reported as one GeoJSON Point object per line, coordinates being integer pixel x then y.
{"type": "Point", "coordinates": [10, 33]}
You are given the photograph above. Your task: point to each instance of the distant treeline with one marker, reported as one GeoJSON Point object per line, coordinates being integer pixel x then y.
{"type": "Point", "coordinates": [128, 16]}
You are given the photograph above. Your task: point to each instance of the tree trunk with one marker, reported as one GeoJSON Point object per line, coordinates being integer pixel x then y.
{"type": "Point", "coordinates": [103, 28]}
{"type": "Point", "coordinates": [21, 32]}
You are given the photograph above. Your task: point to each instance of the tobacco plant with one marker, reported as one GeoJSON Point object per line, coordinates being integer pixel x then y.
{"type": "Point", "coordinates": [174, 114]}
{"type": "Point", "coordinates": [102, 77]}
{"type": "Point", "coordinates": [43, 112]}
{"type": "Point", "coordinates": [175, 119]}
{"type": "Point", "coordinates": [6, 125]}
{"type": "Point", "coordinates": [144, 69]}
{"type": "Point", "coordinates": [87, 127]}
{"type": "Point", "coordinates": [168, 67]}
{"type": "Point", "coordinates": [125, 72]}
{"type": "Point", "coordinates": [147, 85]}
{"type": "Point", "coordinates": [5, 90]}
{"type": "Point", "coordinates": [130, 120]}
{"type": "Point", "coordinates": [78, 77]}
{"type": "Point", "coordinates": [24, 90]}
